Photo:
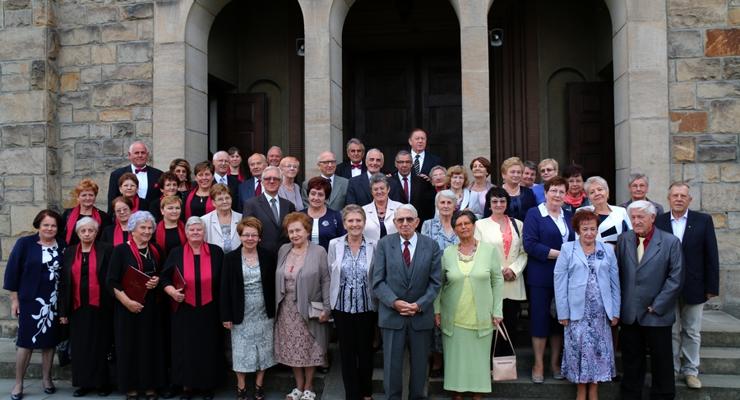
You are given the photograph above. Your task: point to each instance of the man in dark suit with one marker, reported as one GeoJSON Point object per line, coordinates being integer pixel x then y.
{"type": "Point", "coordinates": [358, 191]}
{"type": "Point", "coordinates": [253, 186]}
{"type": "Point", "coordinates": [406, 279]}
{"type": "Point", "coordinates": [354, 167]}
{"type": "Point", "coordinates": [222, 175]}
{"type": "Point", "coordinates": [695, 230]}
{"type": "Point", "coordinates": [148, 176]}
{"type": "Point", "coordinates": [270, 210]}
{"type": "Point", "coordinates": [411, 189]}
{"type": "Point", "coordinates": [422, 160]}
{"type": "Point", "coordinates": [651, 273]}
{"type": "Point", "coordinates": [327, 164]}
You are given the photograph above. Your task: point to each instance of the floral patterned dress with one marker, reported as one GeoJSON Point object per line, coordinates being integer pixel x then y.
{"type": "Point", "coordinates": [37, 323]}
{"type": "Point", "coordinates": [588, 354]}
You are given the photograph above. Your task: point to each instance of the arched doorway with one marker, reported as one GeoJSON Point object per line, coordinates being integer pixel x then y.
{"type": "Point", "coordinates": [401, 70]}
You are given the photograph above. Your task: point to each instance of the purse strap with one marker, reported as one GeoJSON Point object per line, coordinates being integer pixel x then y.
{"type": "Point", "coordinates": [501, 330]}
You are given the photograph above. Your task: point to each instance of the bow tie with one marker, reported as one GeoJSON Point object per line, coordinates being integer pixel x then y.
{"type": "Point", "coordinates": [142, 169]}
{"type": "Point", "coordinates": [358, 166]}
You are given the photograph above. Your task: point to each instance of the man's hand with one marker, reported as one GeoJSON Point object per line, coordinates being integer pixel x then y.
{"type": "Point", "coordinates": [406, 309]}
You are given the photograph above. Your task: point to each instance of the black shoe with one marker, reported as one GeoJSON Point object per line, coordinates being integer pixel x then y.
{"type": "Point", "coordinates": [241, 394]}
{"type": "Point", "coordinates": [259, 393]}
{"type": "Point", "coordinates": [167, 394]}
{"type": "Point", "coordinates": [208, 395]}
{"type": "Point", "coordinates": [104, 391]}
{"type": "Point", "coordinates": [323, 370]}
{"type": "Point", "coordinates": [80, 392]}
{"type": "Point", "coordinates": [16, 396]}
{"type": "Point", "coordinates": [50, 390]}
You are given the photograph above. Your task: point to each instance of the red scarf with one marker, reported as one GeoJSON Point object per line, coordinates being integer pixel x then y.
{"type": "Point", "coordinates": [135, 202]}
{"type": "Point", "coordinates": [574, 201]}
{"type": "Point", "coordinates": [188, 265]}
{"type": "Point", "coordinates": [117, 234]}
{"type": "Point", "coordinates": [137, 256]}
{"type": "Point", "coordinates": [189, 212]}
{"type": "Point", "coordinates": [160, 236]}
{"type": "Point", "coordinates": [74, 216]}
{"type": "Point", "coordinates": [92, 278]}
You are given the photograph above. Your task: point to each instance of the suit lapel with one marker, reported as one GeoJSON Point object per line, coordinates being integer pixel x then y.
{"type": "Point", "coordinates": [579, 253]}
{"type": "Point", "coordinates": [267, 210]}
{"type": "Point", "coordinates": [653, 247]}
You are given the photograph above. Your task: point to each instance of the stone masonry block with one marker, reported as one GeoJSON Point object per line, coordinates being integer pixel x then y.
{"type": "Point", "coordinates": [692, 13]}
{"type": "Point", "coordinates": [74, 55]}
{"type": "Point", "coordinates": [729, 251]}
{"type": "Point", "coordinates": [722, 43]}
{"type": "Point", "coordinates": [119, 32]}
{"type": "Point", "coordinates": [103, 54]}
{"type": "Point", "coordinates": [86, 149]}
{"type": "Point", "coordinates": [70, 82]}
{"type": "Point", "coordinates": [684, 149]}
{"type": "Point", "coordinates": [126, 94]}
{"type": "Point", "coordinates": [112, 147]}
{"type": "Point", "coordinates": [102, 14]}
{"type": "Point", "coordinates": [127, 72]}
{"type": "Point", "coordinates": [120, 130]}
{"type": "Point", "coordinates": [84, 115]}
{"type": "Point", "coordinates": [709, 153]}
{"type": "Point", "coordinates": [685, 44]}
{"type": "Point", "coordinates": [22, 43]}
{"type": "Point", "coordinates": [81, 35]}
{"type": "Point", "coordinates": [27, 161]}
{"type": "Point", "coordinates": [18, 18]}
{"type": "Point", "coordinates": [721, 197]}
{"type": "Point", "coordinates": [90, 75]}
{"type": "Point", "coordinates": [20, 217]}
{"type": "Point", "coordinates": [79, 131]}
{"type": "Point", "coordinates": [698, 69]}
{"type": "Point", "coordinates": [724, 116]}
{"type": "Point", "coordinates": [717, 90]}
{"type": "Point", "coordinates": [21, 135]}
{"type": "Point", "coordinates": [731, 68]}
{"type": "Point", "coordinates": [134, 52]}
{"type": "Point", "coordinates": [730, 172]}
{"type": "Point", "coordinates": [688, 121]}
{"type": "Point", "coordinates": [138, 11]}
{"type": "Point", "coordinates": [17, 4]}
{"type": "Point", "coordinates": [115, 115]}
{"type": "Point", "coordinates": [733, 16]}
{"type": "Point", "coordinates": [23, 106]}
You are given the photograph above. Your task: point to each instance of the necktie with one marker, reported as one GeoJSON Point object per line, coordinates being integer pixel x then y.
{"type": "Point", "coordinates": [417, 165]}
{"type": "Point", "coordinates": [406, 253]}
{"type": "Point", "coordinates": [138, 170]}
{"type": "Point", "coordinates": [258, 189]}
{"type": "Point", "coordinates": [640, 248]}
{"type": "Point", "coordinates": [406, 188]}
{"type": "Point", "coordinates": [275, 212]}
{"type": "Point", "coordinates": [356, 166]}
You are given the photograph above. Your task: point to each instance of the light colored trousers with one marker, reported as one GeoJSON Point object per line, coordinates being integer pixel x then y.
{"type": "Point", "coordinates": [687, 338]}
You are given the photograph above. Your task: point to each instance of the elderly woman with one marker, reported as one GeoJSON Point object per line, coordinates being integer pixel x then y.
{"type": "Point", "coordinates": [168, 183]}
{"type": "Point", "coordinates": [613, 220]}
{"type": "Point", "coordinates": [480, 168]}
{"type": "Point", "coordinates": [467, 309]}
{"type": "Point", "coordinates": [170, 231]}
{"type": "Point", "coordinates": [327, 223]}
{"type": "Point", "coordinates": [438, 177]}
{"type": "Point", "coordinates": [83, 195]}
{"type": "Point", "coordinates": [548, 169]}
{"type": "Point", "coordinates": [235, 164]}
{"type": "Point", "coordinates": [380, 212]}
{"type": "Point", "coordinates": [521, 198]}
{"type": "Point", "coordinates": [198, 202]}
{"type": "Point", "coordinates": [31, 276]}
{"type": "Point", "coordinates": [196, 325]}
{"type": "Point", "coordinates": [505, 233]}
{"type": "Point", "coordinates": [248, 306]}
{"type": "Point", "coordinates": [303, 306]}
{"type": "Point", "coordinates": [87, 308]}
{"type": "Point", "coordinates": [576, 196]}
{"type": "Point", "coordinates": [289, 190]}
{"type": "Point", "coordinates": [128, 185]}
{"type": "Point", "coordinates": [457, 176]}
{"type": "Point", "coordinates": [546, 228]}
{"type": "Point", "coordinates": [352, 303]}
{"type": "Point", "coordinates": [118, 232]}
{"type": "Point", "coordinates": [137, 326]}
{"type": "Point", "coordinates": [181, 168]}
{"type": "Point", "coordinates": [221, 223]}
{"type": "Point", "coordinates": [587, 296]}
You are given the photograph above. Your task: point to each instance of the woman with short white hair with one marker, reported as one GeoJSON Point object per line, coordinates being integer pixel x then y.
{"type": "Point", "coordinates": [613, 220]}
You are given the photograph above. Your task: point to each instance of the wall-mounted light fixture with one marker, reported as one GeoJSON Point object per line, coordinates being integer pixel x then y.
{"type": "Point", "coordinates": [496, 37]}
{"type": "Point", "coordinates": [300, 47]}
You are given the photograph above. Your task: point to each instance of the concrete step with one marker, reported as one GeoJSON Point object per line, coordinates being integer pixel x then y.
{"type": "Point", "coordinates": [720, 329]}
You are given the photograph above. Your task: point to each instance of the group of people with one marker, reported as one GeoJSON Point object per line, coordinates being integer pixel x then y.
{"type": "Point", "coordinates": [422, 257]}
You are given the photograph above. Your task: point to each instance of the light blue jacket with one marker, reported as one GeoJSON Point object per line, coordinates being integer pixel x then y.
{"type": "Point", "coordinates": [571, 277]}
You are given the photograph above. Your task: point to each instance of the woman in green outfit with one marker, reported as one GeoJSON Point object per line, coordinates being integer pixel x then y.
{"type": "Point", "coordinates": [468, 308]}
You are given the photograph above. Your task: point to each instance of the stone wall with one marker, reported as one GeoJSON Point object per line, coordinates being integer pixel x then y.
{"type": "Point", "coordinates": [704, 62]}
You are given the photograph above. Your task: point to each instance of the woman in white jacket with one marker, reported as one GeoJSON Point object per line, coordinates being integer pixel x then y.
{"type": "Point", "coordinates": [220, 224]}
{"type": "Point", "coordinates": [613, 220]}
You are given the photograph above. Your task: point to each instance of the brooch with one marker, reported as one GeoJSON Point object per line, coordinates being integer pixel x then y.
{"type": "Point", "coordinates": [600, 254]}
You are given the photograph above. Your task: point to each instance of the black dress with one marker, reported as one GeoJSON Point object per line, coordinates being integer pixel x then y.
{"type": "Point", "coordinates": [198, 206]}
{"type": "Point", "coordinates": [197, 334]}
{"type": "Point", "coordinates": [139, 338]}
{"type": "Point", "coordinates": [109, 234]}
{"type": "Point", "coordinates": [90, 327]}
{"type": "Point", "coordinates": [74, 239]}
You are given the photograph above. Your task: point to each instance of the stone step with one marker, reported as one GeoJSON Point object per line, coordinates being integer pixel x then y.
{"type": "Point", "coordinates": [720, 329]}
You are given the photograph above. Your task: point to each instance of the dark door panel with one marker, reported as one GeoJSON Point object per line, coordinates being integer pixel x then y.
{"type": "Point", "coordinates": [242, 122]}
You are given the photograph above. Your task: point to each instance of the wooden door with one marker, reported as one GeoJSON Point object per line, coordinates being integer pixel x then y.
{"type": "Point", "coordinates": [441, 107]}
{"type": "Point", "coordinates": [242, 122]}
{"type": "Point", "coordinates": [591, 128]}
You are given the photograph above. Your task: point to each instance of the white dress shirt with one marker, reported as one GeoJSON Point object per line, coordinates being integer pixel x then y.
{"type": "Point", "coordinates": [269, 202]}
{"type": "Point", "coordinates": [678, 225]}
{"type": "Point", "coordinates": [143, 181]}
{"type": "Point", "coordinates": [408, 179]}
{"type": "Point", "coordinates": [355, 171]}
{"type": "Point", "coordinates": [412, 244]}
{"type": "Point", "coordinates": [559, 221]}
{"type": "Point", "coordinates": [421, 158]}
{"type": "Point", "coordinates": [221, 179]}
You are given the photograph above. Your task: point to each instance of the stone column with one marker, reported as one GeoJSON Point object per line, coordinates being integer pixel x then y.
{"type": "Point", "coordinates": [473, 16]}
{"type": "Point", "coordinates": [29, 179]}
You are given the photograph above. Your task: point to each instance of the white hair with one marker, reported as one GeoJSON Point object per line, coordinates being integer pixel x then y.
{"type": "Point", "coordinates": [85, 221]}
{"type": "Point", "coordinates": [131, 146]}
{"type": "Point", "coordinates": [271, 168]}
{"type": "Point", "coordinates": [642, 205]}
{"type": "Point", "coordinates": [194, 221]}
{"type": "Point", "coordinates": [447, 194]}
{"type": "Point", "coordinates": [595, 180]}
{"type": "Point", "coordinates": [139, 218]}
{"type": "Point", "coordinates": [410, 208]}
{"type": "Point", "coordinates": [220, 153]}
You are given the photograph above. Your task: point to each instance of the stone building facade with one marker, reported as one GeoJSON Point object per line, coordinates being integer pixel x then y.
{"type": "Point", "coordinates": [82, 79]}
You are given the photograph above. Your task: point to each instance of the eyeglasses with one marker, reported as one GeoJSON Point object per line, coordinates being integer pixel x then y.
{"type": "Point", "coordinates": [547, 169]}
{"type": "Point", "coordinates": [402, 220]}
{"type": "Point", "coordinates": [123, 211]}
{"type": "Point", "coordinates": [271, 179]}
{"type": "Point", "coordinates": [328, 162]}
{"type": "Point", "coordinates": [249, 235]}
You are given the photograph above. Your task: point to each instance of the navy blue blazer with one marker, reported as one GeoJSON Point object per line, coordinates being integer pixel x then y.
{"type": "Point", "coordinates": [540, 235]}
{"type": "Point", "coordinates": [700, 255]}
{"type": "Point", "coordinates": [358, 191]}
{"type": "Point", "coordinates": [330, 226]}
{"type": "Point", "coordinates": [245, 192]}
{"type": "Point", "coordinates": [23, 272]}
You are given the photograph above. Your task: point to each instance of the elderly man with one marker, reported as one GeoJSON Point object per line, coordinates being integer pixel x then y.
{"type": "Point", "coordinates": [412, 189]}
{"type": "Point", "coordinates": [270, 209]}
{"type": "Point", "coordinates": [651, 273]}
{"type": "Point", "coordinates": [253, 186]}
{"type": "Point", "coordinates": [422, 160]}
{"type": "Point", "coordinates": [222, 175]}
{"type": "Point", "coordinates": [406, 279]}
{"type": "Point", "coordinates": [148, 176]}
{"type": "Point", "coordinates": [695, 230]}
{"type": "Point", "coordinates": [327, 163]}
{"type": "Point", "coordinates": [274, 155]}
{"type": "Point", "coordinates": [638, 186]}
{"type": "Point", "coordinates": [358, 191]}
{"type": "Point", "coordinates": [355, 154]}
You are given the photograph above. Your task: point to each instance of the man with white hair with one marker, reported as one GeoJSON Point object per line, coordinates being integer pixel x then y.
{"type": "Point", "coordinates": [222, 175]}
{"type": "Point", "coordinates": [148, 176]}
{"type": "Point", "coordinates": [274, 155]}
{"type": "Point", "coordinates": [270, 209]}
{"type": "Point", "coordinates": [651, 275]}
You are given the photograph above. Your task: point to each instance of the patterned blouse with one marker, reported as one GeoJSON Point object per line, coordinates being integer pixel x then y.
{"type": "Point", "coordinates": [354, 288]}
{"type": "Point", "coordinates": [433, 228]}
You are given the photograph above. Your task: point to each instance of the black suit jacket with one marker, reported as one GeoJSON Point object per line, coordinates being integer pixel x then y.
{"type": "Point", "coordinates": [700, 255]}
{"type": "Point", "coordinates": [232, 285]}
{"type": "Point", "coordinates": [273, 235]}
{"type": "Point", "coordinates": [233, 180]}
{"type": "Point", "coordinates": [358, 191]}
{"type": "Point", "coordinates": [430, 160]}
{"type": "Point", "coordinates": [422, 195]}
{"type": "Point", "coordinates": [344, 169]}
{"type": "Point", "coordinates": [152, 193]}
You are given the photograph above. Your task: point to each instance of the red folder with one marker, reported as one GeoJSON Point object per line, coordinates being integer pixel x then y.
{"type": "Point", "coordinates": [134, 284]}
{"type": "Point", "coordinates": [178, 282]}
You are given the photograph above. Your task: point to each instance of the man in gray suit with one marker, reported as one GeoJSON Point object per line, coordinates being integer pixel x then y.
{"type": "Point", "coordinates": [406, 279]}
{"type": "Point", "coordinates": [327, 164]}
{"type": "Point", "coordinates": [651, 274]}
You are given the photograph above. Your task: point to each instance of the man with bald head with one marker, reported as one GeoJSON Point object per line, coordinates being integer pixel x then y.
{"type": "Point", "coordinates": [148, 176]}
{"type": "Point", "coordinates": [327, 163]}
{"type": "Point", "coordinates": [253, 186]}
{"type": "Point", "coordinates": [222, 175]}
{"type": "Point", "coordinates": [274, 155]}
{"type": "Point", "coordinates": [358, 191]}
